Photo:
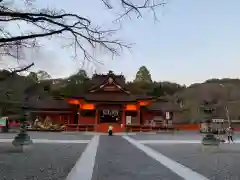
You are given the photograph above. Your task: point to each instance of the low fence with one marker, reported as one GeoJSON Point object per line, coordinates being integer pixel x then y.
{"type": "Point", "coordinates": [129, 128]}
{"type": "Point", "coordinates": [78, 127]}
{"type": "Point", "coordinates": [140, 128]}
{"type": "Point", "coordinates": [135, 128]}
{"type": "Point", "coordinates": [146, 128]}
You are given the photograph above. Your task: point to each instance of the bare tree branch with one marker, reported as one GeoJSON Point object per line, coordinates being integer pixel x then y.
{"type": "Point", "coordinates": [78, 27]}
{"type": "Point", "coordinates": [129, 7]}
{"type": "Point", "coordinates": [82, 33]}
{"type": "Point", "coordinates": [25, 68]}
{"type": "Point", "coordinates": [15, 71]}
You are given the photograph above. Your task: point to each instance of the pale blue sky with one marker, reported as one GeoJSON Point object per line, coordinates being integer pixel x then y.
{"type": "Point", "coordinates": [194, 40]}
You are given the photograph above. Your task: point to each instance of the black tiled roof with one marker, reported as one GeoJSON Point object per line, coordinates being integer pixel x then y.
{"type": "Point", "coordinates": [47, 102]}
{"type": "Point", "coordinates": [38, 98]}
{"type": "Point", "coordinates": [98, 80]}
{"type": "Point", "coordinates": [111, 97]}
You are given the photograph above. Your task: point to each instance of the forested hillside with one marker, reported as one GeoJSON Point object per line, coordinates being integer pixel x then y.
{"type": "Point", "coordinates": [224, 92]}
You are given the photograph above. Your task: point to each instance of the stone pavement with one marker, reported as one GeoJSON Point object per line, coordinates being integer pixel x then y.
{"type": "Point", "coordinates": [50, 135]}
{"type": "Point", "coordinates": [42, 161]}
{"type": "Point", "coordinates": [155, 157]}
{"type": "Point", "coordinates": [220, 165]}
{"type": "Point", "coordinates": [119, 160]}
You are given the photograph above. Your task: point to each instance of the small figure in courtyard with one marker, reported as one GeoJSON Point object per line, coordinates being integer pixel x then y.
{"type": "Point", "coordinates": [229, 132]}
{"type": "Point", "coordinates": [110, 130]}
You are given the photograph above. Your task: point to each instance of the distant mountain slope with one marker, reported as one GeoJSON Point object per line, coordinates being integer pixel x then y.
{"type": "Point", "coordinates": [224, 92]}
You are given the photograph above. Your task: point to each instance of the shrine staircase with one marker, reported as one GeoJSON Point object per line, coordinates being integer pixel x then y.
{"type": "Point", "coordinates": [103, 127]}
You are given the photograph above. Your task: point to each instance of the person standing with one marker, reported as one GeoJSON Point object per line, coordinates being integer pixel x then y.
{"type": "Point", "coordinates": [230, 134]}
{"type": "Point", "coordinates": [110, 130]}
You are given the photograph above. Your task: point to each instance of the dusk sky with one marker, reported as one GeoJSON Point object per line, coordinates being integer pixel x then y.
{"type": "Point", "coordinates": [194, 40]}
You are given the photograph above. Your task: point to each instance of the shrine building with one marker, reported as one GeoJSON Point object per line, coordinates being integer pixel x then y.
{"type": "Point", "coordinates": [108, 101]}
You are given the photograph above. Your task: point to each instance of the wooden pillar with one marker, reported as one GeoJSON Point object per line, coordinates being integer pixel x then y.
{"type": "Point", "coordinates": [96, 117]}
{"type": "Point", "coordinates": [60, 119]}
{"type": "Point", "coordinates": [79, 115]}
{"type": "Point", "coordinates": [138, 115]}
{"type": "Point", "coordinates": [123, 118]}
{"type": "Point", "coordinates": [68, 120]}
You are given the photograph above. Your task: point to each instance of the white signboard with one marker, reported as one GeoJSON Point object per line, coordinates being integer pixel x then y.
{"type": "Point", "coordinates": [128, 120]}
{"type": "Point", "coordinates": [218, 120]}
{"type": "Point", "coordinates": [168, 116]}
{"type": "Point", "coordinates": [110, 112]}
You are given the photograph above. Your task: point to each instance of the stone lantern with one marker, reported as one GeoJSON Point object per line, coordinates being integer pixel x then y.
{"type": "Point", "coordinates": [22, 139]}
{"type": "Point", "coordinates": [209, 138]}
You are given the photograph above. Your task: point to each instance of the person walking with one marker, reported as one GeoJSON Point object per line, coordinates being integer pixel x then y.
{"type": "Point", "coordinates": [230, 134]}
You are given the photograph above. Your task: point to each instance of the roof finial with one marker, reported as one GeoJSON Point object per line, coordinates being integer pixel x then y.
{"type": "Point", "coordinates": [110, 72]}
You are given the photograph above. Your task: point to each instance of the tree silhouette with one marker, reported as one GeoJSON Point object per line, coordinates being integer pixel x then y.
{"type": "Point", "coordinates": [81, 32]}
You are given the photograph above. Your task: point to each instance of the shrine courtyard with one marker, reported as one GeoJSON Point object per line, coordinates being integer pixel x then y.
{"type": "Point", "coordinates": [70, 156]}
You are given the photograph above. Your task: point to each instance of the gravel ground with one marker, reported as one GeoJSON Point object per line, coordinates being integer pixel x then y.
{"type": "Point", "coordinates": [222, 164]}
{"type": "Point", "coordinates": [175, 136]}
{"type": "Point", "coordinates": [119, 160]}
{"type": "Point", "coordinates": [50, 135]}
{"type": "Point", "coordinates": [168, 136]}
{"type": "Point", "coordinates": [116, 158]}
{"type": "Point", "coordinates": [39, 162]}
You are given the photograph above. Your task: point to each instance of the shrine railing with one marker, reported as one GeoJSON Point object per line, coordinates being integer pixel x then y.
{"type": "Point", "coordinates": [146, 128]}
{"type": "Point", "coordinates": [127, 128]}
{"type": "Point", "coordinates": [79, 127]}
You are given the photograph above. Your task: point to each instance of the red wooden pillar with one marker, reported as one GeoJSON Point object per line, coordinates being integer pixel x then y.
{"type": "Point", "coordinates": [139, 116]}
{"type": "Point", "coordinates": [124, 118]}
{"type": "Point", "coordinates": [79, 116]}
{"type": "Point", "coordinates": [96, 117]}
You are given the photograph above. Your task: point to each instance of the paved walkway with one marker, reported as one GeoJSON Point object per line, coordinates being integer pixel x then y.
{"type": "Point", "coordinates": [136, 157]}
{"type": "Point", "coordinates": [123, 158]}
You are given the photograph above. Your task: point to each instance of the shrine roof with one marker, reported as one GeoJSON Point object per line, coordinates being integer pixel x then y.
{"type": "Point", "coordinates": [36, 102]}
{"type": "Point", "coordinates": [38, 98]}
{"type": "Point", "coordinates": [100, 80]}
{"type": "Point", "coordinates": [109, 88]}
{"type": "Point", "coordinates": [111, 97]}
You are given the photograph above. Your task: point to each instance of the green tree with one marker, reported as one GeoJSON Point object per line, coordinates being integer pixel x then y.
{"type": "Point", "coordinates": [33, 76]}
{"type": "Point", "coordinates": [79, 78]}
{"type": "Point", "coordinates": [43, 75]}
{"type": "Point", "coordinates": [76, 83]}
{"type": "Point", "coordinates": [143, 75]}
{"type": "Point", "coordinates": [39, 76]}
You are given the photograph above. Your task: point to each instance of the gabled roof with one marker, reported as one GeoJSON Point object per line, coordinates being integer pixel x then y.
{"type": "Point", "coordinates": [100, 78]}
{"type": "Point", "coordinates": [109, 82]}
{"type": "Point", "coordinates": [109, 88]}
